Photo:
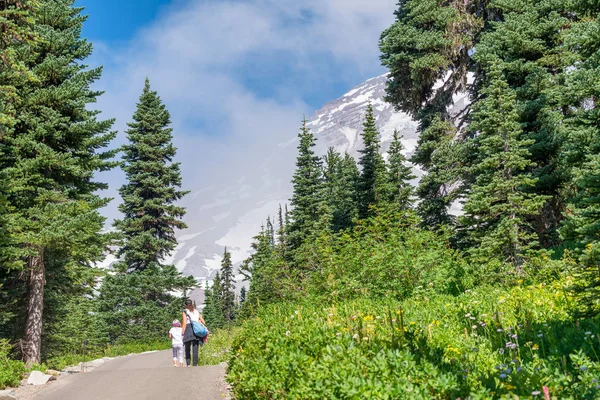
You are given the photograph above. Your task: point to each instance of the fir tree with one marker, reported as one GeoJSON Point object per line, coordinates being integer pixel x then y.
{"type": "Point", "coordinates": [341, 180]}
{"type": "Point", "coordinates": [144, 299]}
{"type": "Point", "coordinates": [434, 158]}
{"type": "Point", "coordinates": [216, 319]}
{"type": "Point", "coordinates": [150, 213]}
{"type": "Point", "coordinates": [399, 177]}
{"type": "Point", "coordinates": [209, 311]}
{"type": "Point", "coordinates": [52, 147]}
{"type": "Point", "coordinates": [227, 287]}
{"type": "Point", "coordinates": [583, 227]}
{"type": "Point", "coordinates": [307, 195]}
{"type": "Point", "coordinates": [498, 207]}
{"type": "Point", "coordinates": [281, 233]}
{"type": "Point", "coordinates": [242, 295]}
{"type": "Point", "coordinates": [141, 290]}
{"type": "Point", "coordinates": [370, 185]}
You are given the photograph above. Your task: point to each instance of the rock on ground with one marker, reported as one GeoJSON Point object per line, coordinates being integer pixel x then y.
{"type": "Point", "coordinates": [8, 395]}
{"type": "Point", "coordinates": [38, 378]}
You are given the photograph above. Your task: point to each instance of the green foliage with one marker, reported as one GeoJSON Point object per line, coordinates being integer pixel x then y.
{"type": "Point", "coordinates": [227, 288]}
{"type": "Point", "coordinates": [72, 324]}
{"type": "Point", "coordinates": [387, 256]}
{"type": "Point", "coordinates": [438, 155]}
{"type": "Point", "coordinates": [307, 198]}
{"type": "Point", "coordinates": [218, 347]}
{"type": "Point", "coordinates": [371, 182]}
{"type": "Point", "coordinates": [583, 228]}
{"type": "Point", "coordinates": [486, 343]}
{"type": "Point", "coordinates": [399, 187]}
{"type": "Point", "coordinates": [341, 179]}
{"type": "Point", "coordinates": [140, 306]}
{"type": "Point", "coordinates": [213, 305]}
{"type": "Point", "coordinates": [11, 371]}
{"type": "Point", "coordinates": [150, 215]}
{"type": "Point", "coordinates": [50, 154]}
{"type": "Point", "coordinates": [499, 207]}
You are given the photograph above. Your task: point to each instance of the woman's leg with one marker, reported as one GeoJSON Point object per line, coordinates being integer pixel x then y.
{"type": "Point", "coordinates": [195, 349]}
{"type": "Point", "coordinates": [187, 352]}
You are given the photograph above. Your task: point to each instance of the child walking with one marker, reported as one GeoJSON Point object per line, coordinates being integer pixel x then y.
{"type": "Point", "coordinates": [177, 343]}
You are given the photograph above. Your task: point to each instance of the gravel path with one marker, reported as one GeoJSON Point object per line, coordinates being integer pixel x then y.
{"type": "Point", "coordinates": [143, 376]}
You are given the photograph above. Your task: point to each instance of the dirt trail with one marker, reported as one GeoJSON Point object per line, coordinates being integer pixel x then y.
{"type": "Point", "coordinates": [143, 376]}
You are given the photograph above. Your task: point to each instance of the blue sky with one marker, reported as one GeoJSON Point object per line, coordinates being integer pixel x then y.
{"type": "Point", "coordinates": [237, 75]}
{"type": "Point", "coordinates": [114, 21]}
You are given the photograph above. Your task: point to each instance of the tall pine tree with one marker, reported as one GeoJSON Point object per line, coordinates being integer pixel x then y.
{"type": "Point", "coordinates": [308, 191]}
{"type": "Point", "coordinates": [498, 207]}
{"type": "Point", "coordinates": [152, 189]}
{"type": "Point", "coordinates": [52, 149]}
{"type": "Point", "coordinates": [371, 183]}
{"type": "Point", "coordinates": [141, 291]}
{"type": "Point", "coordinates": [400, 190]}
{"type": "Point", "coordinates": [341, 178]}
{"type": "Point", "coordinates": [227, 287]}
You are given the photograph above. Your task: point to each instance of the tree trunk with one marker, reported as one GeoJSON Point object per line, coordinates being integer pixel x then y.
{"type": "Point", "coordinates": [35, 308]}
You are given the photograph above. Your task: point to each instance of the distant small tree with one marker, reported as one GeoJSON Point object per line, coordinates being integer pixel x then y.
{"type": "Point", "coordinates": [371, 183]}
{"type": "Point", "coordinates": [227, 287]}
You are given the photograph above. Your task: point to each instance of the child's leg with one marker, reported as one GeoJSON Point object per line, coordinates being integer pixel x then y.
{"type": "Point", "coordinates": [180, 354]}
{"type": "Point", "coordinates": [174, 348]}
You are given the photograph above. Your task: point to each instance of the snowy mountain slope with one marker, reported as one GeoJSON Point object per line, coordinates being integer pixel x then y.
{"type": "Point", "coordinates": [229, 215]}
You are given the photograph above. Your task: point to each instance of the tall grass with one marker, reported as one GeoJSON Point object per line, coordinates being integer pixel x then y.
{"type": "Point", "coordinates": [486, 343]}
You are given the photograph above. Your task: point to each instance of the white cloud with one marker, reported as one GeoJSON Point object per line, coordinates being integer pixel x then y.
{"type": "Point", "coordinates": [212, 62]}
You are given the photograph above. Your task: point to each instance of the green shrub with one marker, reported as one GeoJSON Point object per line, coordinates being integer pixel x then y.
{"type": "Point", "coordinates": [217, 349]}
{"type": "Point", "coordinates": [385, 258]}
{"type": "Point", "coordinates": [11, 371]}
{"type": "Point", "coordinates": [486, 343]}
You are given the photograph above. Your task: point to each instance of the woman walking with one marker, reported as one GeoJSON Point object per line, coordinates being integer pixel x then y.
{"type": "Point", "coordinates": [190, 341]}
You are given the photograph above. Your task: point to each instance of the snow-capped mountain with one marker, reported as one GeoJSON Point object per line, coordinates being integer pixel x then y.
{"type": "Point", "coordinates": [229, 215]}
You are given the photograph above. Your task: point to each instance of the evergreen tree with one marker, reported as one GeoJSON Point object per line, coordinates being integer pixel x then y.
{"type": "Point", "coordinates": [137, 306]}
{"type": "Point", "coordinates": [371, 183]}
{"type": "Point", "coordinates": [263, 270]}
{"type": "Point", "coordinates": [141, 291]}
{"type": "Point", "coordinates": [583, 227]}
{"type": "Point", "coordinates": [209, 312]}
{"type": "Point", "coordinates": [150, 215]}
{"type": "Point", "coordinates": [530, 45]}
{"type": "Point", "coordinates": [216, 318]}
{"type": "Point", "coordinates": [399, 177]}
{"type": "Point", "coordinates": [281, 232]}
{"type": "Point", "coordinates": [52, 146]}
{"type": "Point", "coordinates": [18, 35]}
{"type": "Point", "coordinates": [242, 295]}
{"type": "Point", "coordinates": [432, 42]}
{"type": "Point", "coordinates": [498, 206]}
{"type": "Point", "coordinates": [434, 157]}
{"type": "Point", "coordinates": [308, 190]}
{"type": "Point", "coordinates": [227, 287]}
{"type": "Point", "coordinates": [341, 178]}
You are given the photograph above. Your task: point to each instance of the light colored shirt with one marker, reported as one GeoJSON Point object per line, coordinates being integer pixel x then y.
{"type": "Point", "coordinates": [193, 315]}
{"type": "Point", "coordinates": [176, 336]}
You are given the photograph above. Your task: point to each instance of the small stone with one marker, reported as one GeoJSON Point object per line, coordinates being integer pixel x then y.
{"type": "Point", "coordinates": [72, 370]}
{"type": "Point", "coordinates": [8, 395]}
{"type": "Point", "coordinates": [37, 378]}
{"type": "Point", "coordinates": [53, 372]}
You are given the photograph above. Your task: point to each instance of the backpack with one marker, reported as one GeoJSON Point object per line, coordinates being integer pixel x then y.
{"type": "Point", "coordinates": [199, 329]}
